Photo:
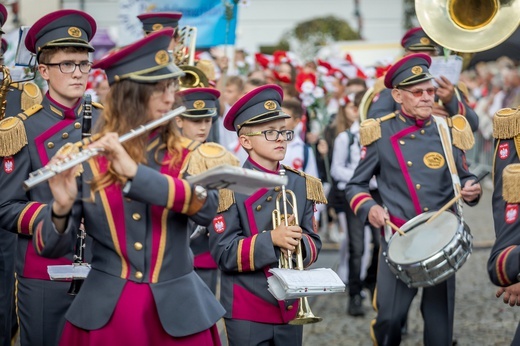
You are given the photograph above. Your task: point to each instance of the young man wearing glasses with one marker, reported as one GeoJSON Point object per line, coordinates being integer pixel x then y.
{"type": "Point", "coordinates": [243, 239]}
{"type": "Point", "coordinates": [60, 41]}
{"type": "Point", "coordinates": [405, 153]}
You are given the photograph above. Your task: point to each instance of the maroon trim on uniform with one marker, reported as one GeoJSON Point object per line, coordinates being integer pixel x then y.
{"type": "Point", "coordinates": [35, 266]}
{"type": "Point", "coordinates": [400, 159]}
{"type": "Point", "coordinates": [501, 265]}
{"type": "Point", "coordinates": [157, 211]}
{"type": "Point", "coordinates": [135, 321]}
{"type": "Point", "coordinates": [115, 203]}
{"type": "Point", "coordinates": [51, 131]}
{"type": "Point", "coordinates": [250, 307]}
{"type": "Point", "coordinates": [204, 261]}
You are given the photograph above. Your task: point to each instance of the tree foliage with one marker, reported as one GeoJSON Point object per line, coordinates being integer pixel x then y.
{"type": "Point", "coordinates": [334, 28]}
{"type": "Point", "coordinates": [307, 36]}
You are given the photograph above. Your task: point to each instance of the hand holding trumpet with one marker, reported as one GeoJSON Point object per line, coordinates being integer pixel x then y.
{"type": "Point", "coordinates": [286, 237]}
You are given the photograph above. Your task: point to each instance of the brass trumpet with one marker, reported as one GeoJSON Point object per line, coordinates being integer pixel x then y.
{"type": "Point", "coordinates": [305, 315]}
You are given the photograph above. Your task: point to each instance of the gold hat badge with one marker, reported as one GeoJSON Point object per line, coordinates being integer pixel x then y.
{"type": "Point", "coordinates": [270, 105]}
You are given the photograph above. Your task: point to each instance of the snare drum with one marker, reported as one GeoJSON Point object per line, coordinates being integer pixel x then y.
{"type": "Point", "coordinates": [429, 253]}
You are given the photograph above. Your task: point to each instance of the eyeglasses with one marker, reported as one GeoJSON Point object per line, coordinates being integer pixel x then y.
{"type": "Point", "coordinates": [171, 87]}
{"type": "Point", "coordinates": [273, 135]}
{"type": "Point", "coordinates": [70, 67]}
{"type": "Point", "coordinates": [419, 92]}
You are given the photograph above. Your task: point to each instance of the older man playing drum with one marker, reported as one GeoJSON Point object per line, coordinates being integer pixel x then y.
{"type": "Point", "coordinates": [419, 168]}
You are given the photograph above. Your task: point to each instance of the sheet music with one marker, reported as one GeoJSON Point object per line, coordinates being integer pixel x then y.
{"type": "Point", "coordinates": [449, 67]}
{"type": "Point", "coordinates": [291, 283]}
{"type": "Point", "coordinates": [238, 179]}
{"type": "Point", "coordinates": [68, 271]}
{"type": "Point", "coordinates": [23, 56]}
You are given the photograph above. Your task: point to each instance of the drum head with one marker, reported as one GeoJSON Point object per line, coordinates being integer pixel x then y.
{"type": "Point", "coordinates": [422, 240]}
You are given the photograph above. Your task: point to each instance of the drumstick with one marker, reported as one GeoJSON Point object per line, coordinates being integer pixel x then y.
{"type": "Point", "coordinates": [444, 208]}
{"type": "Point", "coordinates": [394, 227]}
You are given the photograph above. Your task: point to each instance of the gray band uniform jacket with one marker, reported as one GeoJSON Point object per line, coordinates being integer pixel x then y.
{"type": "Point", "coordinates": [384, 103]}
{"type": "Point", "coordinates": [503, 263]}
{"type": "Point", "coordinates": [411, 170]}
{"type": "Point", "coordinates": [240, 243]}
{"type": "Point", "coordinates": [48, 129]}
{"type": "Point", "coordinates": [141, 236]}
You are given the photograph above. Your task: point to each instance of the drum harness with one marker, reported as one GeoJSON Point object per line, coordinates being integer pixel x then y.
{"type": "Point", "coordinates": [443, 128]}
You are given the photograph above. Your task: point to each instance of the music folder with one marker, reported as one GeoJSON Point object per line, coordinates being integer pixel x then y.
{"type": "Point", "coordinates": [292, 283]}
{"type": "Point", "coordinates": [238, 179]}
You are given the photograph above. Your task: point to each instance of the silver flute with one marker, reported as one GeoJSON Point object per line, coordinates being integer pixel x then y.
{"type": "Point", "coordinates": [45, 173]}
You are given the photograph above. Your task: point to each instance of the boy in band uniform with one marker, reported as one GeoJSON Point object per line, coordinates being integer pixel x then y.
{"type": "Point", "coordinates": [242, 239]}
{"type": "Point", "coordinates": [60, 41]}
{"type": "Point", "coordinates": [195, 124]}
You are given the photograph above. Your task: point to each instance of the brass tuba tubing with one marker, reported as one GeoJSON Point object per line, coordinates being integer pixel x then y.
{"type": "Point", "coordinates": [45, 173]}
{"type": "Point", "coordinates": [304, 315]}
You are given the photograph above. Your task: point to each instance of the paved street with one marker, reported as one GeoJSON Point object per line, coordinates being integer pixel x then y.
{"type": "Point", "coordinates": [480, 318]}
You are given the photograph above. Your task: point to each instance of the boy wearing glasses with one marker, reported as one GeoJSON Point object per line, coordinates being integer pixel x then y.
{"type": "Point", "coordinates": [243, 240]}
{"type": "Point", "coordinates": [60, 41]}
{"type": "Point", "coordinates": [405, 153]}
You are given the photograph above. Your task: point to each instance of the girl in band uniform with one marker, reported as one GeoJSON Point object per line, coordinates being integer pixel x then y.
{"type": "Point", "coordinates": [142, 289]}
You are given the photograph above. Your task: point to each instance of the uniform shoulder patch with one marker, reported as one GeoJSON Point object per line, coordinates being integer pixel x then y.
{"type": "Point", "coordinates": [12, 132]}
{"type": "Point", "coordinates": [209, 155]}
{"type": "Point", "coordinates": [98, 105]}
{"type": "Point", "coordinates": [31, 111]}
{"type": "Point", "coordinates": [511, 183]}
{"type": "Point", "coordinates": [506, 123]}
{"type": "Point", "coordinates": [370, 129]}
{"type": "Point", "coordinates": [313, 186]}
{"type": "Point", "coordinates": [461, 132]}
{"type": "Point", "coordinates": [31, 95]}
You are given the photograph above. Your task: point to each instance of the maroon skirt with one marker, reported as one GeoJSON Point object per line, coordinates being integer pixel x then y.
{"type": "Point", "coordinates": [135, 321]}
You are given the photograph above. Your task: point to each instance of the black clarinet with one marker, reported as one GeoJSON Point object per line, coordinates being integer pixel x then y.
{"type": "Point", "coordinates": [79, 251]}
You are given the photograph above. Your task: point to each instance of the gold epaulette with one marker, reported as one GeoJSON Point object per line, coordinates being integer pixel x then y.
{"type": "Point", "coordinates": [313, 186]}
{"type": "Point", "coordinates": [98, 105]}
{"type": "Point", "coordinates": [511, 183]}
{"type": "Point", "coordinates": [464, 88]}
{"type": "Point", "coordinates": [461, 132]}
{"type": "Point", "coordinates": [12, 132]}
{"type": "Point", "coordinates": [30, 94]}
{"type": "Point", "coordinates": [208, 155]}
{"type": "Point", "coordinates": [370, 129]}
{"type": "Point", "coordinates": [506, 123]}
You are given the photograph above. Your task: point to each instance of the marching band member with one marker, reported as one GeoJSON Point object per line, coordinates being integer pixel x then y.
{"type": "Point", "coordinates": [404, 151]}
{"type": "Point", "coordinates": [155, 21]}
{"type": "Point", "coordinates": [142, 289]}
{"type": "Point", "coordinates": [503, 264]}
{"type": "Point", "coordinates": [195, 124]}
{"type": "Point", "coordinates": [20, 96]}
{"type": "Point", "coordinates": [452, 98]}
{"type": "Point", "coordinates": [242, 239]}
{"type": "Point", "coordinates": [60, 41]}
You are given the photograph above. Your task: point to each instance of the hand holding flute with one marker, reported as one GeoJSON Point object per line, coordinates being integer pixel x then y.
{"type": "Point", "coordinates": [66, 162]}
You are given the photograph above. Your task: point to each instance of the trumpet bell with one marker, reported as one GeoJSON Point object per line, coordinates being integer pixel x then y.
{"type": "Point", "coordinates": [305, 315]}
{"type": "Point", "coordinates": [468, 26]}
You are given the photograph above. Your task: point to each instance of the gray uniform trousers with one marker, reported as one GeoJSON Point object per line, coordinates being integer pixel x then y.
{"type": "Point", "coordinates": [437, 302]}
{"type": "Point", "coordinates": [247, 333]}
{"type": "Point", "coordinates": [35, 296]}
{"type": "Point", "coordinates": [7, 316]}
